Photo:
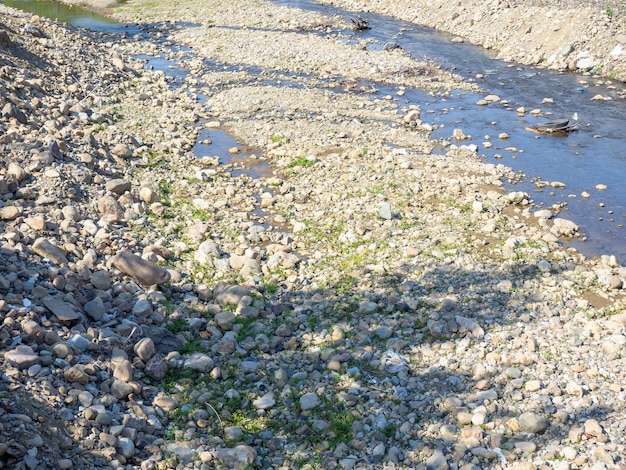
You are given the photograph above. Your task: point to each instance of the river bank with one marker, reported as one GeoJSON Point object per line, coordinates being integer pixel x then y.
{"type": "Point", "coordinates": [373, 303]}
{"type": "Point", "coordinates": [580, 37]}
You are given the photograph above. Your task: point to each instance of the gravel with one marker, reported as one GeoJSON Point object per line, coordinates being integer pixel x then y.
{"type": "Point", "coordinates": [369, 302]}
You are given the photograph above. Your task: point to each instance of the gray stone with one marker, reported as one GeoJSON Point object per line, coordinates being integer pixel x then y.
{"type": "Point", "coordinates": [78, 342]}
{"type": "Point", "coordinates": [122, 150]}
{"type": "Point", "coordinates": [126, 447]}
{"type": "Point", "coordinates": [118, 186]}
{"type": "Point", "coordinates": [123, 371]}
{"type": "Point", "coordinates": [199, 361]}
{"type": "Point", "coordinates": [101, 280]}
{"type": "Point", "coordinates": [237, 458]}
{"type": "Point", "coordinates": [225, 320]}
{"type": "Point", "coordinates": [532, 423]}
{"type": "Point", "coordinates": [121, 390]}
{"type": "Point", "coordinates": [232, 295]}
{"type": "Point", "coordinates": [22, 356]}
{"type": "Point", "coordinates": [76, 374]}
{"type": "Point", "coordinates": [95, 309]}
{"type": "Point", "coordinates": [44, 248]}
{"type": "Point", "coordinates": [145, 349]}
{"type": "Point", "coordinates": [85, 398]}
{"type": "Point", "coordinates": [156, 367]}
{"type": "Point", "coordinates": [184, 453]}
{"type": "Point", "coordinates": [64, 311]}
{"type": "Point", "coordinates": [385, 211]}
{"type": "Point", "coordinates": [308, 401]}
{"type": "Point", "coordinates": [144, 272]}
{"type": "Point", "coordinates": [206, 251]}
{"type": "Point", "coordinates": [585, 64]}
{"type": "Point", "coordinates": [264, 402]}
{"type": "Point", "coordinates": [437, 461]}
{"type": "Point", "coordinates": [110, 209]}
{"type": "Point", "coordinates": [142, 308]}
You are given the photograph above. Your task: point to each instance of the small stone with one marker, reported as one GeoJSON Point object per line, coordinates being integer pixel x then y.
{"type": "Point", "coordinates": [101, 280]}
{"type": "Point", "coordinates": [264, 402]}
{"type": "Point", "coordinates": [123, 371]}
{"type": "Point", "coordinates": [144, 272]}
{"type": "Point", "coordinates": [64, 311]}
{"type": "Point", "coordinates": [593, 428]}
{"type": "Point", "coordinates": [122, 151]}
{"type": "Point", "coordinates": [533, 423]}
{"type": "Point", "coordinates": [199, 361]}
{"type": "Point", "coordinates": [237, 458]}
{"type": "Point", "coordinates": [142, 308]}
{"type": "Point", "coordinates": [22, 356]}
{"type": "Point", "coordinates": [145, 349]}
{"type": "Point", "coordinates": [225, 320]}
{"type": "Point", "coordinates": [85, 398]}
{"type": "Point", "coordinates": [76, 374]}
{"type": "Point", "coordinates": [437, 461]}
{"type": "Point", "coordinates": [118, 186]}
{"type": "Point", "coordinates": [385, 211]}
{"type": "Point", "coordinates": [574, 389]}
{"type": "Point", "coordinates": [110, 210]}
{"type": "Point", "coordinates": [156, 368]}
{"type": "Point", "coordinates": [121, 390]}
{"type": "Point", "coordinates": [45, 249]}
{"type": "Point", "coordinates": [532, 385]}
{"type": "Point", "coordinates": [95, 309]}
{"type": "Point", "coordinates": [148, 195]}
{"type": "Point", "coordinates": [308, 401]}
{"type": "Point", "coordinates": [166, 403]}
{"type": "Point", "coordinates": [526, 446]}
{"type": "Point", "coordinates": [126, 447]}
{"type": "Point", "coordinates": [9, 212]}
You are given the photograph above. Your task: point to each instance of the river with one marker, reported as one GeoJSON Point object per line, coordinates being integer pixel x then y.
{"type": "Point", "coordinates": [594, 155]}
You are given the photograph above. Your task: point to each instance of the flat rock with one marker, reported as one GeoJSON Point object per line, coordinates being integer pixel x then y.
{"type": "Point", "coordinates": [22, 356]}
{"type": "Point", "coordinates": [64, 311]}
{"type": "Point", "coordinates": [44, 248]}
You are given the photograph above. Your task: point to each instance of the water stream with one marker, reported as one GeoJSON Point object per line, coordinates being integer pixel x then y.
{"type": "Point", "coordinates": [581, 160]}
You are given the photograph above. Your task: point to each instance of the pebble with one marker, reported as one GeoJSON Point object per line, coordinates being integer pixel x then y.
{"type": "Point", "coordinates": [308, 401]}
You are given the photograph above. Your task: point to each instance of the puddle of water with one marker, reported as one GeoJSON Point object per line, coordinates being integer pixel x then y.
{"type": "Point", "coordinates": [218, 143]}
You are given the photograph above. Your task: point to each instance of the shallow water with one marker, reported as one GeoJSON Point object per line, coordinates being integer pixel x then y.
{"type": "Point", "coordinates": [65, 14]}
{"type": "Point", "coordinates": [593, 155]}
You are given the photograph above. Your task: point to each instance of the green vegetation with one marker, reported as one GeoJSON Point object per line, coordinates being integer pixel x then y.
{"type": "Point", "coordinates": [302, 161]}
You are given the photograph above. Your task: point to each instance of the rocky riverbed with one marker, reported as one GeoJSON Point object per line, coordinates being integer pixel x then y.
{"type": "Point", "coordinates": [372, 301]}
{"type": "Point", "coordinates": [587, 37]}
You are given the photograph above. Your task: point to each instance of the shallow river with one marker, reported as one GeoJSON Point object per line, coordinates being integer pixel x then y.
{"type": "Point", "coordinates": [581, 160]}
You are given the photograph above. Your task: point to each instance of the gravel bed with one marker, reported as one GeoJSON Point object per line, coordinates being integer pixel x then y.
{"type": "Point", "coordinates": [371, 301]}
